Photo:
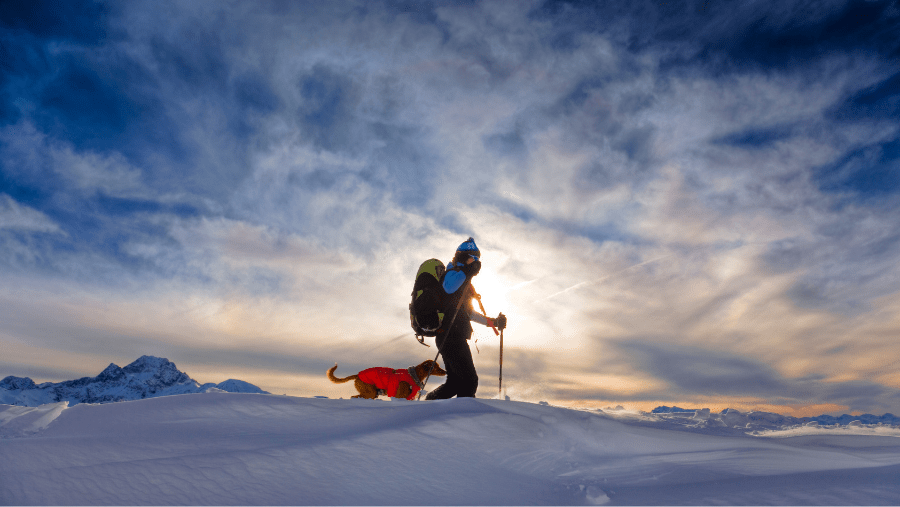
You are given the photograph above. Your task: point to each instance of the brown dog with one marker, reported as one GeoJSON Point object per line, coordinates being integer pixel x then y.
{"type": "Point", "coordinates": [404, 383]}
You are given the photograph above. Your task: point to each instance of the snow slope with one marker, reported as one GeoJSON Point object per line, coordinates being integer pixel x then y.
{"type": "Point", "coordinates": [224, 448]}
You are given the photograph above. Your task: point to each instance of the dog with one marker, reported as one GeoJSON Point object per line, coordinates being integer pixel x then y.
{"type": "Point", "coordinates": [404, 383]}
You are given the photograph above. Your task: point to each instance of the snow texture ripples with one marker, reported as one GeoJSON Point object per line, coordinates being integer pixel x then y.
{"type": "Point", "coordinates": [253, 449]}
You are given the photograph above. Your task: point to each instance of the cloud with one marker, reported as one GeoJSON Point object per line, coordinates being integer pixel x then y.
{"type": "Point", "coordinates": [30, 154]}
{"type": "Point", "coordinates": [690, 370]}
{"type": "Point", "coordinates": [21, 229]}
{"type": "Point", "coordinates": [18, 217]}
{"type": "Point", "coordinates": [679, 372]}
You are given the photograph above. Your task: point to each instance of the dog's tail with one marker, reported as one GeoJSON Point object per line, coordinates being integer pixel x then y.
{"type": "Point", "coordinates": [337, 380]}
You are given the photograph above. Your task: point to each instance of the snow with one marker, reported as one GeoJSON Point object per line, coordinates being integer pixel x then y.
{"type": "Point", "coordinates": [258, 449]}
{"type": "Point", "coordinates": [239, 386]}
{"type": "Point", "coordinates": [19, 421]}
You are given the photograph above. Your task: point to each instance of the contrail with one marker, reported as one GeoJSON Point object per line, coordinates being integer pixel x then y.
{"type": "Point", "coordinates": [392, 340]}
{"type": "Point", "coordinates": [582, 284]}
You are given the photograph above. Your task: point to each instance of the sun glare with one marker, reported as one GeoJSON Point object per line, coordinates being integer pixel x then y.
{"type": "Point", "coordinates": [493, 293]}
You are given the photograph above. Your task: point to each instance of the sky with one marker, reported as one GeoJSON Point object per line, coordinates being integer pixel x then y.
{"type": "Point", "coordinates": [680, 203]}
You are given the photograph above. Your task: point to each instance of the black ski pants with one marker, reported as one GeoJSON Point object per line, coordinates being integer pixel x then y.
{"type": "Point", "coordinates": [462, 380]}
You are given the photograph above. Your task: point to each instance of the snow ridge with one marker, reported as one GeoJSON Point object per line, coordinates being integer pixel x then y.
{"type": "Point", "coordinates": [147, 377]}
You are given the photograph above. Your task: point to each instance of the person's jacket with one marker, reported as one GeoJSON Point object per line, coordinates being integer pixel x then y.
{"type": "Point", "coordinates": [456, 288]}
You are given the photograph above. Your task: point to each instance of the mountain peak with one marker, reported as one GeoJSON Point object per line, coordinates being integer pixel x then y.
{"type": "Point", "coordinates": [112, 372]}
{"type": "Point", "coordinates": [149, 364]}
{"type": "Point", "coordinates": [12, 383]}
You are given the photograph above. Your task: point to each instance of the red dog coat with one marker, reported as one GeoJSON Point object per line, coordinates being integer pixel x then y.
{"type": "Point", "coordinates": [389, 380]}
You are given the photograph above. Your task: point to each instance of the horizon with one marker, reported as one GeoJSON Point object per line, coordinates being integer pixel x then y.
{"type": "Point", "coordinates": [679, 203]}
{"type": "Point", "coordinates": [673, 408]}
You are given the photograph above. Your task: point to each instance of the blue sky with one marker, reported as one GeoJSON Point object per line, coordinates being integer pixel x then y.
{"type": "Point", "coordinates": [684, 203]}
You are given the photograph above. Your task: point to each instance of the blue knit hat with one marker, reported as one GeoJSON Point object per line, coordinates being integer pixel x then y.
{"type": "Point", "coordinates": [469, 247]}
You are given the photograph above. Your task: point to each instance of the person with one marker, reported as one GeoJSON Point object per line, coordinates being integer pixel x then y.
{"type": "Point", "coordinates": [462, 379]}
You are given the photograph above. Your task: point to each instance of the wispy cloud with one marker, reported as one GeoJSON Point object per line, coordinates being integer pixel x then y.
{"type": "Point", "coordinates": [15, 216]}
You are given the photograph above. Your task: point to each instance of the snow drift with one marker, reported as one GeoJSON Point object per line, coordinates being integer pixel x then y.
{"type": "Point", "coordinates": [223, 448]}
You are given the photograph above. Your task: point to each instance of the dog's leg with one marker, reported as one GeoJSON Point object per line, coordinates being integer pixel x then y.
{"type": "Point", "coordinates": [367, 391]}
{"type": "Point", "coordinates": [403, 390]}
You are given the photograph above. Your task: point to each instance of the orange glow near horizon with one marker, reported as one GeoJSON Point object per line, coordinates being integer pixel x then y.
{"type": "Point", "coordinates": [798, 411]}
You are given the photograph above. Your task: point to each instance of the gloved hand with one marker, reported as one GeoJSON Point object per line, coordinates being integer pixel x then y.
{"type": "Point", "coordinates": [500, 322]}
{"type": "Point", "coordinates": [472, 269]}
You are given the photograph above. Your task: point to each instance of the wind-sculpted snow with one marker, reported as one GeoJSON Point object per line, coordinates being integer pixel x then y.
{"type": "Point", "coordinates": [21, 421]}
{"type": "Point", "coordinates": [226, 449]}
{"type": "Point", "coordinates": [147, 377]}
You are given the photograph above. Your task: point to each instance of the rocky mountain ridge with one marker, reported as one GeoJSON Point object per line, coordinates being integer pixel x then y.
{"type": "Point", "coordinates": [147, 377]}
{"type": "Point", "coordinates": [730, 420]}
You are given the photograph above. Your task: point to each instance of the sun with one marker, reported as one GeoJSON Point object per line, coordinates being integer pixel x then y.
{"type": "Point", "coordinates": [493, 292]}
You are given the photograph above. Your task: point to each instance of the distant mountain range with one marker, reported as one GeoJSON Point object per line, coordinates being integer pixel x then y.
{"type": "Point", "coordinates": [147, 377]}
{"type": "Point", "coordinates": [729, 419]}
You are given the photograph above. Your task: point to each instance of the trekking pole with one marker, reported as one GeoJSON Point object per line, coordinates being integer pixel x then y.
{"type": "Point", "coordinates": [477, 296]}
{"type": "Point", "coordinates": [500, 388]}
{"type": "Point", "coordinates": [458, 306]}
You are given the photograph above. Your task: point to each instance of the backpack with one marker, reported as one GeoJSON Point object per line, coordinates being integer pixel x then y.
{"type": "Point", "coordinates": [428, 297]}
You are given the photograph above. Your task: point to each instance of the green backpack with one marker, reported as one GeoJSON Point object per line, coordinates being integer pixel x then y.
{"type": "Point", "coordinates": [426, 307]}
